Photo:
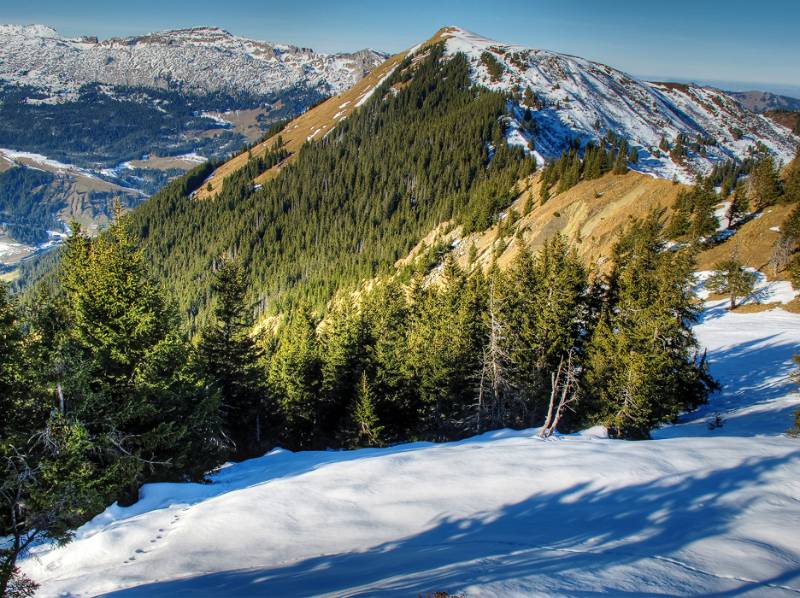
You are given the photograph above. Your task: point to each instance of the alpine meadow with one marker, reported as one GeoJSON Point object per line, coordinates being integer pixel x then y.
{"type": "Point", "coordinates": [468, 319]}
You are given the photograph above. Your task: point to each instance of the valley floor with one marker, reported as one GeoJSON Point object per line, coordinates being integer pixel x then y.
{"type": "Point", "coordinates": [699, 510]}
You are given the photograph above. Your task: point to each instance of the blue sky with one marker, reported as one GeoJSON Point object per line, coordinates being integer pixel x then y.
{"type": "Point", "coordinates": [718, 41]}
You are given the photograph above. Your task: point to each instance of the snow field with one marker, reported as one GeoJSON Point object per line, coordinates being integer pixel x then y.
{"type": "Point", "coordinates": [699, 509]}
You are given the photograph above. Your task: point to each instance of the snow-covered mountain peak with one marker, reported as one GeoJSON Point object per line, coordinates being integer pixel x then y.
{"type": "Point", "coordinates": [28, 31]}
{"type": "Point", "coordinates": [573, 98]}
{"type": "Point", "coordinates": [195, 60]}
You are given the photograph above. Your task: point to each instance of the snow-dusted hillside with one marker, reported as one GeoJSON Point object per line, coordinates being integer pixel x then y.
{"type": "Point", "coordinates": [198, 60]}
{"type": "Point", "coordinates": [580, 98]}
{"type": "Point", "coordinates": [700, 510]}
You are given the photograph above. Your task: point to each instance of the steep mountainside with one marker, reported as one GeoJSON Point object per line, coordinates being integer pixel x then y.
{"type": "Point", "coordinates": [573, 98]}
{"type": "Point", "coordinates": [425, 147]}
{"type": "Point", "coordinates": [337, 203]}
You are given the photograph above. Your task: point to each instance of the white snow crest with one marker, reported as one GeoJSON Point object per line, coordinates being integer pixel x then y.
{"type": "Point", "coordinates": [582, 99]}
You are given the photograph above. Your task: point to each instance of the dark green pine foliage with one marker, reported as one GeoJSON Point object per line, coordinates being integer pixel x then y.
{"type": "Point", "coordinates": [295, 378]}
{"type": "Point", "coordinates": [791, 188]}
{"type": "Point", "coordinates": [611, 154]}
{"type": "Point", "coordinates": [641, 368]}
{"type": "Point", "coordinates": [493, 66]}
{"type": "Point", "coordinates": [444, 348]}
{"type": "Point", "coordinates": [343, 341]}
{"type": "Point", "coordinates": [740, 206]}
{"type": "Point", "coordinates": [129, 376]}
{"type": "Point", "coordinates": [763, 183]}
{"type": "Point", "coordinates": [728, 174]}
{"type": "Point", "coordinates": [546, 304]}
{"type": "Point", "coordinates": [387, 312]}
{"type": "Point", "coordinates": [351, 204]}
{"type": "Point", "coordinates": [47, 481]}
{"type": "Point", "coordinates": [13, 408]}
{"type": "Point", "coordinates": [230, 362]}
{"type": "Point", "coordinates": [693, 218]}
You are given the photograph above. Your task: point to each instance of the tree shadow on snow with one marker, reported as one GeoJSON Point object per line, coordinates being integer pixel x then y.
{"type": "Point", "coordinates": [559, 541]}
{"type": "Point", "coordinates": [753, 374]}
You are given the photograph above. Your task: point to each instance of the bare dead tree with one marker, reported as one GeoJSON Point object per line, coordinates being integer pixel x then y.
{"type": "Point", "coordinates": [495, 377]}
{"type": "Point", "coordinates": [781, 253]}
{"type": "Point", "coordinates": [563, 393]}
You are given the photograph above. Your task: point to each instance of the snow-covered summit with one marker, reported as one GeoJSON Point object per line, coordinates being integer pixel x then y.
{"type": "Point", "coordinates": [579, 98]}
{"type": "Point", "coordinates": [32, 31]}
{"type": "Point", "coordinates": [199, 60]}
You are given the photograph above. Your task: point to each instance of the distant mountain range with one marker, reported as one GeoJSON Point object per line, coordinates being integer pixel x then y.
{"type": "Point", "coordinates": [116, 119]}
{"type": "Point", "coordinates": [765, 101]}
{"type": "Point", "coordinates": [200, 61]}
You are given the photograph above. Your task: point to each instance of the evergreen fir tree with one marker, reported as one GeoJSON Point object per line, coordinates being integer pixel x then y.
{"type": "Point", "coordinates": [763, 184]}
{"type": "Point", "coordinates": [129, 377]}
{"type": "Point", "coordinates": [791, 188]}
{"type": "Point", "coordinates": [228, 360]}
{"type": "Point", "coordinates": [704, 220]}
{"type": "Point", "coordinates": [740, 206]}
{"type": "Point", "coordinates": [642, 368]}
{"type": "Point", "coordinates": [295, 377]}
{"type": "Point", "coordinates": [367, 432]}
{"type": "Point", "coordinates": [343, 343]}
{"type": "Point", "coordinates": [731, 278]}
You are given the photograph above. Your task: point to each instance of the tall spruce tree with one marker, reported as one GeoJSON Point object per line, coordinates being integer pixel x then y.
{"type": "Point", "coordinates": [763, 184]}
{"type": "Point", "coordinates": [47, 482]}
{"type": "Point", "coordinates": [546, 305]}
{"type": "Point", "coordinates": [365, 429]}
{"type": "Point", "coordinates": [295, 377]}
{"type": "Point", "coordinates": [129, 378]}
{"type": "Point", "coordinates": [229, 361]}
{"type": "Point", "coordinates": [642, 366]}
{"type": "Point", "coordinates": [386, 310]}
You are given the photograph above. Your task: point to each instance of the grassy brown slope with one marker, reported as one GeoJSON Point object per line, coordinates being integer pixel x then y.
{"type": "Point", "coordinates": [590, 215]}
{"type": "Point", "coordinates": [752, 243]}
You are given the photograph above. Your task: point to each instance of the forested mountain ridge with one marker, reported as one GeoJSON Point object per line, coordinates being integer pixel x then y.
{"type": "Point", "coordinates": [555, 294]}
{"type": "Point", "coordinates": [556, 100]}
{"type": "Point", "coordinates": [350, 204]}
